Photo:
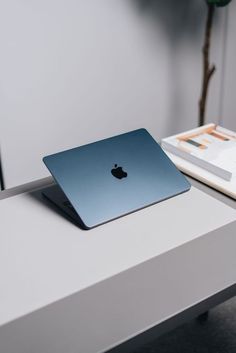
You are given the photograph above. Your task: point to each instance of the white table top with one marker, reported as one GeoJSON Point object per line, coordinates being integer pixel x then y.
{"type": "Point", "coordinates": [44, 257]}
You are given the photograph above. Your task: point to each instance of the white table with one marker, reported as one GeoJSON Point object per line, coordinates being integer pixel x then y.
{"type": "Point", "coordinates": [65, 290]}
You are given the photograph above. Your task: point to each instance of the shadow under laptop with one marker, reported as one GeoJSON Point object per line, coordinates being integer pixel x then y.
{"type": "Point", "coordinates": [55, 200]}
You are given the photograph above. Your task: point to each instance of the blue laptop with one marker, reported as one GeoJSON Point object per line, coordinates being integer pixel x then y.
{"type": "Point", "coordinates": [107, 179]}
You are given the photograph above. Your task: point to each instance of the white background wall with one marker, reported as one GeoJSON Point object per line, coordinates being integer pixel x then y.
{"type": "Point", "coordinates": [229, 92]}
{"type": "Point", "coordinates": [74, 71]}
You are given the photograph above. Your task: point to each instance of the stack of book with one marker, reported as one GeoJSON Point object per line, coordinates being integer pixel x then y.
{"type": "Point", "coordinates": [207, 153]}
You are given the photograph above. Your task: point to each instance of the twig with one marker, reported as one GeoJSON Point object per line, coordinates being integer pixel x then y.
{"type": "Point", "coordinates": [208, 70]}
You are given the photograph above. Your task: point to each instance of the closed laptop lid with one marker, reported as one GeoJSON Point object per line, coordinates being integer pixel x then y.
{"type": "Point", "coordinates": [113, 177]}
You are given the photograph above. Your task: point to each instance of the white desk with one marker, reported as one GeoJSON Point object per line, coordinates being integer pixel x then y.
{"type": "Point", "coordinates": [63, 289]}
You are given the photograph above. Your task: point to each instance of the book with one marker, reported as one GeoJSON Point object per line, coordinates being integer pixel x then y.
{"type": "Point", "coordinates": [224, 186]}
{"type": "Point", "coordinates": [221, 174]}
{"type": "Point", "coordinates": [210, 147]}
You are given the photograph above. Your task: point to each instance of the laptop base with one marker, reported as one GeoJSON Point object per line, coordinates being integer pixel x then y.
{"type": "Point", "coordinates": [56, 196]}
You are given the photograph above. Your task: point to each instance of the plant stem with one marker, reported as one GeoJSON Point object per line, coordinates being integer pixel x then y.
{"type": "Point", "coordinates": [208, 69]}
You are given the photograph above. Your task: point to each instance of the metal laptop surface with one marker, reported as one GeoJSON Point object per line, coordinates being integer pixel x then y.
{"type": "Point", "coordinates": [110, 178]}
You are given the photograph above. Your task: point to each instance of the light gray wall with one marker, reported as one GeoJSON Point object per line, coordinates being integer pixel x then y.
{"type": "Point", "coordinates": [74, 71]}
{"type": "Point", "coordinates": [229, 92]}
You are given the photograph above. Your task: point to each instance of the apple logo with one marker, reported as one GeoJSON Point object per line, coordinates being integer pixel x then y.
{"type": "Point", "coordinates": [118, 172]}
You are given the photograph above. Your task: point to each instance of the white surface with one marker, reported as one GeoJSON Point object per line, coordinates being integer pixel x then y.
{"type": "Point", "coordinates": [44, 257]}
{"type": "Point", "coordinates": [125, 305]}
{"type": "Point", "coordinates": [73, 72]}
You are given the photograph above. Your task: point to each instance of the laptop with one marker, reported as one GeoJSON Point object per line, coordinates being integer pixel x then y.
{"type": "Point", "coordinates": [107, 179]}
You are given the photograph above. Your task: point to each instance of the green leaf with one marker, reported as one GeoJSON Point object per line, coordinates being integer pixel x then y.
{"type": "Point", "coordinates": [218, 3]}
